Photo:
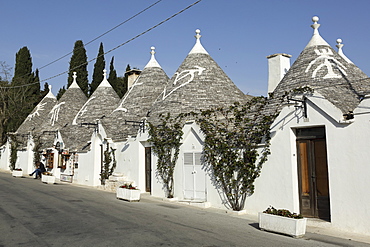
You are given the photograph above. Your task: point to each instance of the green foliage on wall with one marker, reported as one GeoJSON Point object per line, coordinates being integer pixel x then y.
{"type": "Point", "coordinates": [166, 140]}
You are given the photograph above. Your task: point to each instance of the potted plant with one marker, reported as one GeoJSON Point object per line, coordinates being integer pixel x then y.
{"type": "Point", "coordinates": [48, 178]}
{"type": "Point", "coordinates": [128, 192]}
{"type": "Point", "coordinates": [282, 221]}
{"type": "Point", "coordinates": [17, 172]}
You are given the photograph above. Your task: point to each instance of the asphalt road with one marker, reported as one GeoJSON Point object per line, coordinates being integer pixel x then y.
{"type": "Point", "coordinates": [37, 214]}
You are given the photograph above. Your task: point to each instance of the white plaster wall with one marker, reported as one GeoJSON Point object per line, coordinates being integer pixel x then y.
{"type": "Point", "coordinates": [83, 174]}
{"type": "Point", "coordinates": [5, 154]}
{"type": "Point", "coordinates": [22, 161]}
{"type": "Point", "coordinates": [130, 156]}
{"type": "Point", "coordinates": [348, 168]}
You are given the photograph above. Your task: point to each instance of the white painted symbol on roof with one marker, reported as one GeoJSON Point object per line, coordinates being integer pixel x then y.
{"type": "Point", "coordinates": [82, 110]}
{"type": "Point", "coordinates": [325, 57]}
{"type": "Point", "coordinates": [39, 107]}
{"type": "Point", "coordinates": [120, 107]}
{"type": "Point", "coordinates": [184, 74]}
{"type": "Point", "coordinates": [55, 113]}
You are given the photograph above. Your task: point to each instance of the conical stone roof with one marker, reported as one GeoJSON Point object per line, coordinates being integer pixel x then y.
{"type": "Point", "coordinates": [199, 83]}
{"type": "Point", "coordinates": [99, 105]}
{"type": "Point", "coordinates": [67, 106]}
{"type": "Point", "coordinates": [135, 104]}
{"type": "Point", "coordinates": [321, 68]}
{"type": "Point", "coordinates": [39, 116]}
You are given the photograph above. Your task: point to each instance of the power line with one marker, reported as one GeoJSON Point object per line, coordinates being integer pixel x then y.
{"type": "Point", "coordinates": [110, 30]}
{"type": "Point", "coordinates": [128, 41]}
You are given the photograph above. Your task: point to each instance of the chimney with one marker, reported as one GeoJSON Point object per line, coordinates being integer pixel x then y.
{"type": "Point", "coordinates": [278, 65]}
{"type": "Point", "coordinates": [132, 75]}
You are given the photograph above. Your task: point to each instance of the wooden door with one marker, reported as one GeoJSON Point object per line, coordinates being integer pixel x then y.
{"type": "Point", "coordinates": [148, 169]}
{"type": "Point", "coordinates": [313, 177]}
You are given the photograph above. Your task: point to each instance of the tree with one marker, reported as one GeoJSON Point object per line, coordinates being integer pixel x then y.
{"type": "Point", "coordinates": [23, 67]}
{"type": "Point", "coordinates": [109, 164]}
{"type": "Point", "coordinates": [45, 91]}
{"type": "Point", "coordinates": [99, 66]}
{"type": "Point", "coordinates": [112, 77]}
{"type": "Point", "coordinates": [4, 112]}
{"type": "Point", "coordinates": [119, 84]}
{"type": "Point", "coordinates": [231, 147]}
{"type": "Point", "coordinates": [166, 138]}
{"type": "Point", "coordinates": [61, 91]}
{"type": "Point", "coordinates": [24, 94]}
{"type": "Point", "coordinates": [78, 63]}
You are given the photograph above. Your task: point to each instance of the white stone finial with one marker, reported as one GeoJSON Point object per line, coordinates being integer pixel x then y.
{"type": "Point", "coordinates": [197, 36]}
{"type": "Point", "coordinates": [316, 38]}
{"type": "Point", "coordinates": [340, 51]}
{"type": "Point", "coordinates": [315, 25]}
{"type": "Point", "coordinates": [152, 62]}
{"type": "Point", "coordinates": [198, 48]}
{"type": "Point", "coordinates": [74, 82]}
{"type": "Point", "coordinates": [50, 94]}
{"type": "Point", "coordinates": [104, 82]}
{"type": "Point", "coordinates": [105, 74]}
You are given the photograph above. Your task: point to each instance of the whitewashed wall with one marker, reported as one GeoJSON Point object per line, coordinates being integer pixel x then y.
{"type": "Point", "coordinates": [348, 167]}
{"type": "Point", "coordinates": [4, 158]}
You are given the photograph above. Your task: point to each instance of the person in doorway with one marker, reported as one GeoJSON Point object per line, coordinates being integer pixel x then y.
{"type": "Point", "coordinates": [40, 168]}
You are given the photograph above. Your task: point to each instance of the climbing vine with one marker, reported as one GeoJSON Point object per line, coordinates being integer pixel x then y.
{"type": "Point", "coordinates": [36, 149]}
{"type": "Point", "coordinates": [166, 140]}
{"type": "Point", "coordinates": [232, 146]}
{"type": "Point", "coordinates": [109, 164]}
{"type": "Point", "coordinates": [13, 151]}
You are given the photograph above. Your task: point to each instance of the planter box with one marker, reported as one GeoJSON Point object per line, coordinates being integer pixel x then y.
{"type": "Point", "coordinates": [128, 195]}
{"type": "Point", "coordinates": [17, 174]}
{"type": "Point", "coordinates": [280, 224]}
{"type": "Point", "coordinates": [48, 179]}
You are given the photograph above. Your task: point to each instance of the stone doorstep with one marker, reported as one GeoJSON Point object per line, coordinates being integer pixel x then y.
{"type": "Point", "coordinates": [196, 203]}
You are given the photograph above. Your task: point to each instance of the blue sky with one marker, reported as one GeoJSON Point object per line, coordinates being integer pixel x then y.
{"type": "Point", "coordinates": [238, 34]}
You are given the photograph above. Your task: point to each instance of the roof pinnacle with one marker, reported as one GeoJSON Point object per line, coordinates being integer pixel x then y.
{"type": "Point", "coordinates": [340, 51]}
{"type": "Point", "coordinates": [152, 62]}
{"type": "Point", "coordinates": [105, 74]}
{"type": "Point", "coordinates": [315, 25]}
{"type": "Point", "coordinates": [104, 82]}
{"type": "Point", "coordinates": [50, 94]}
{"type": "Point", "coordinates": [198, 48]}
{"type": "Point", "coordinates": [74, 82]}
{"type": "Point", "coordinates": [316, 38]}
{"type": "Point", "coordinates": [197, 36]}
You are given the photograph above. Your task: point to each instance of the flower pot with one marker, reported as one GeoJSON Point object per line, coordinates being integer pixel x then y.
{"type": "Point", "coordinates": [48, 179]}
{"type": "Point", "coordinates": [17, 174]}
{"type": "Point", "coordinates": [128, 194]}
{"type": "Point", "coordinates": [284, 225]}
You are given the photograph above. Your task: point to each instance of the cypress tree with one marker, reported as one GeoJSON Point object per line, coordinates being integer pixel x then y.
{"type": "Point", "coordinates": [44, 92]}
{"type": "Point", "coordinates": [61, 92]}
{"type": "Point", "coordinates": [78, 64]}
{"type": "Point", "coordinates": [99, 66]}
{"type": "Point", "coordinates": [22, 100]}
{"type": "Point", "coordinates": [112, 78]}
{"type": "Point", "coordinates": [23, 67]}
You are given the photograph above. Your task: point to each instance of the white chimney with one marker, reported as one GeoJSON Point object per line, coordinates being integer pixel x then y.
{"type": "Point", "coordinates": [132, 75]}
{"type": "Point", "coordinates": [278, 65]}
